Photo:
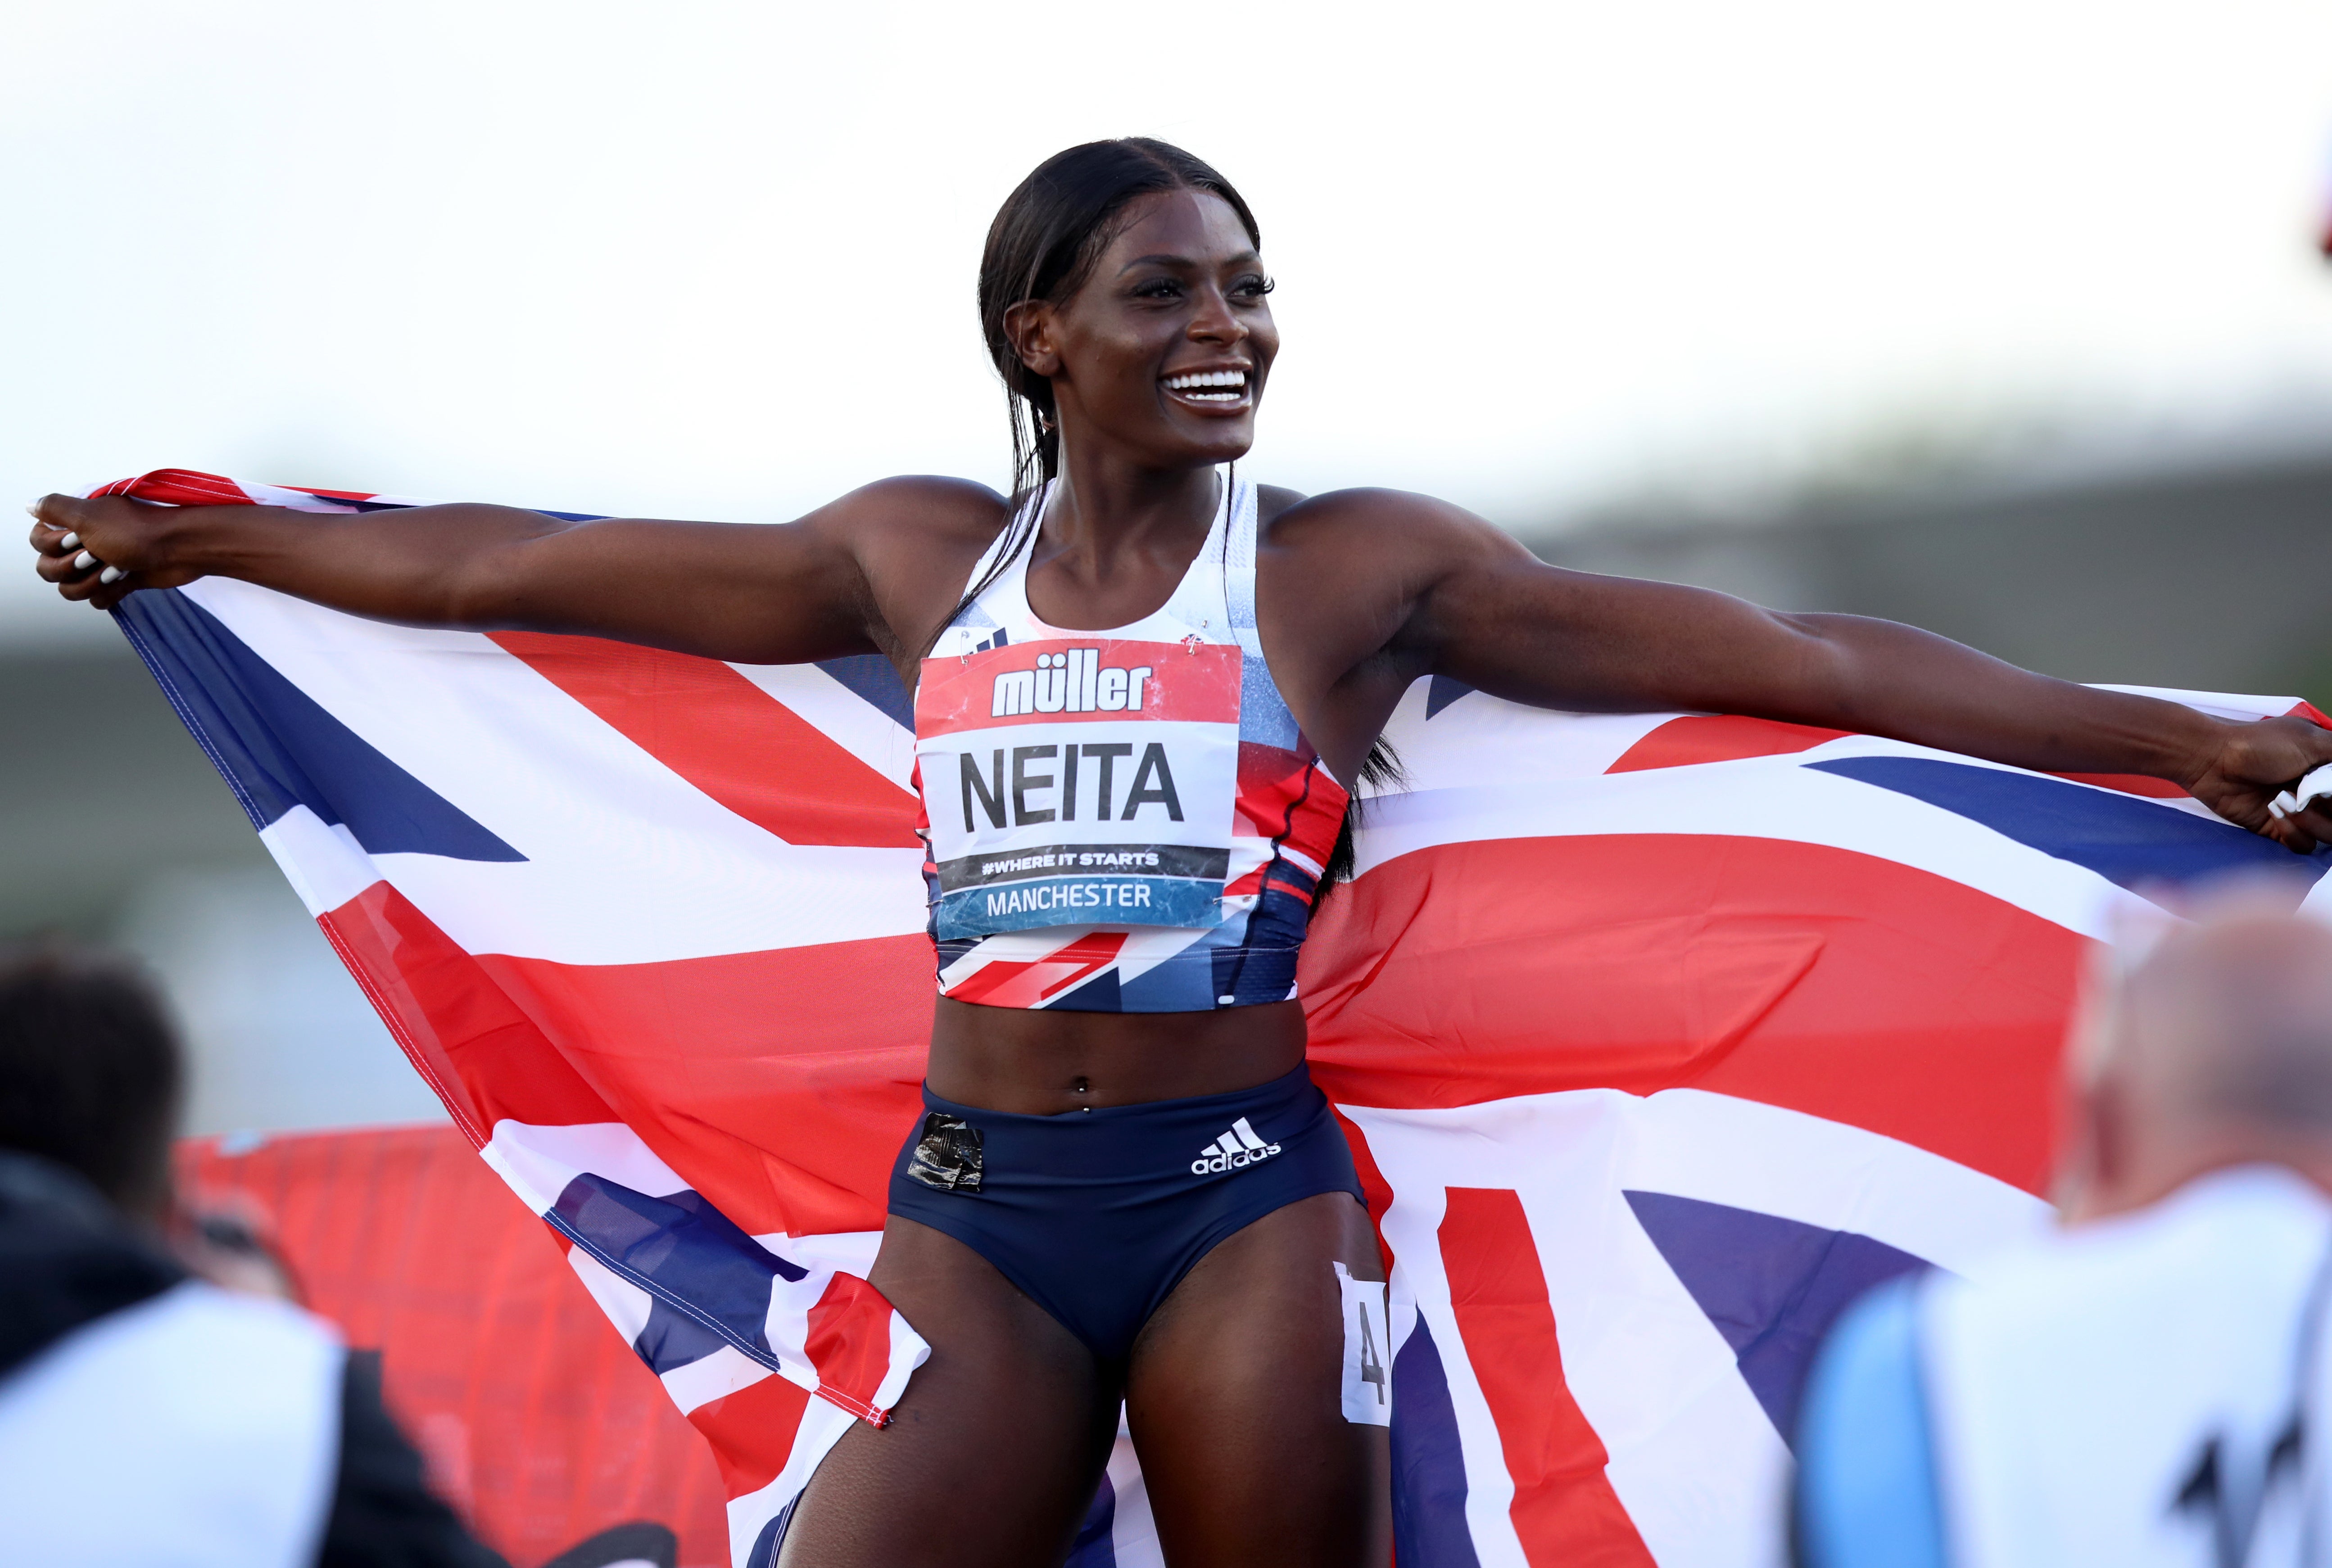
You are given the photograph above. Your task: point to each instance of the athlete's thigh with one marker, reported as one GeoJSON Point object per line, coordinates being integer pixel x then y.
{"type": "Point", "coordinates": [1234, 1398]}
{"type": "Point", "coordinates": [993, 1453]}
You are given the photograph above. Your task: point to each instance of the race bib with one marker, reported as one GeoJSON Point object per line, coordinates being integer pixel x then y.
{"type": "Point", "coordinates": [1079, 782]}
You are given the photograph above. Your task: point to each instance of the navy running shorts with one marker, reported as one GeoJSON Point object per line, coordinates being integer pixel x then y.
{"type": "Point", "coordinates": [1097, 1215]}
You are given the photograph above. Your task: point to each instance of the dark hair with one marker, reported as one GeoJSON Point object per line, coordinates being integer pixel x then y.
{"type": "Point", "coordinates": [90, 1071]}
{"type": "Point", "coordinates": [1044, 242]}
{"type": "Point", "coordinates": [1381, 770]}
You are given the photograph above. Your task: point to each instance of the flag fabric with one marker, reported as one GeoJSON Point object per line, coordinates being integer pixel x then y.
{"type": "Point", "coordinates": [1656, 1036]}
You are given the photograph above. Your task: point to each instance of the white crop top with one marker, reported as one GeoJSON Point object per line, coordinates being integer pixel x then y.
{"type": "Point", "coordinates": [1125, 820]}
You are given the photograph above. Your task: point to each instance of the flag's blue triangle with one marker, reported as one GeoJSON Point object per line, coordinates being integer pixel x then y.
{"type": "Point", "coordinates": [277, 747]}
{"type": "Point", "coordinates": [1095, 1546]}
{"type": "Point", "coordinates": [1442, 693]}
{"type": "Point", "coordinates": [1773, 1286]}
{"type": "Point", "coordinates": [1428, 1464]}
{"type": "Point", "coordinates": [764, 1554]}
{"type": "Point", "coordinates": [2126, 840]}
{"type": "Point", "coordinates": [708, 1281]}
{"type": "Point", "coordinates": [876, 679]}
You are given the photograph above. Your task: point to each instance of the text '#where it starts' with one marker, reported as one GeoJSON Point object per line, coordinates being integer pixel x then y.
{"type": "Point", "coordinates": [1070, 682]}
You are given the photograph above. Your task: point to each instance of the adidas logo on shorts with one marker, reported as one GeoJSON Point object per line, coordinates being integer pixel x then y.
{"type": "Point", "coordinates": [1236, 1148]}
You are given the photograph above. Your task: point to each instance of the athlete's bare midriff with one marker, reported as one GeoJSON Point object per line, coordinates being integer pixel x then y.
{"type": "Point", "coordinates": [1039, 1063]}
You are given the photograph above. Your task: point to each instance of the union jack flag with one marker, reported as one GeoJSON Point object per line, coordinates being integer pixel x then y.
{"type": "Point", "coordinates": [1656, 1036]}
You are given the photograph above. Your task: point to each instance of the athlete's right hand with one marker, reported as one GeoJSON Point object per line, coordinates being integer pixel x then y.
{"type": "Point", "coordinates": [82, 544]}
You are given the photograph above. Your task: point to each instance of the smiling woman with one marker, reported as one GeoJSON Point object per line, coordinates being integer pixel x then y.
{"type": "Point", "coordinates": [1048, 239]}
{"type": "Point", "coordinates": [1144, 686]}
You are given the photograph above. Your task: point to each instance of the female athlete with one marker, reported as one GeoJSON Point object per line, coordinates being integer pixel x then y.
{"type": "Point", "coordinates": [1143, 687]}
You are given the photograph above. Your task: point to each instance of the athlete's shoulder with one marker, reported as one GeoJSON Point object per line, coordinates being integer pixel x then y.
{"type": "Point", "coordinates": [925, 508]}
{"type": "Point", "coordinates": [1344, 518]}
{"type": "Point", "coordinates": [915, 540]}
{"type": "Point", "coordinates": [1271, 500]}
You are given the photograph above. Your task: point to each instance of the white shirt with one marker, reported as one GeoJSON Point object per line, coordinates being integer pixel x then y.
{"type": "Point", "coordinates": [2075, 1392]}
{"type": "Point", "coordinates": [196, 1429]}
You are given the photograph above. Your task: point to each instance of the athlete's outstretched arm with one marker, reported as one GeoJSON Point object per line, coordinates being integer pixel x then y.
{"type": "Point", "coordinates": [765, 594]}
{"type": "Point", "coordinates": [1452, 595]}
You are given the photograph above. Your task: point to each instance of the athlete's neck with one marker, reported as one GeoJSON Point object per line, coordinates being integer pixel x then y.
{"type": "Point", "coordinates": [1116, 540]}
{"type": "Point", "coordinates": [1105, 518]}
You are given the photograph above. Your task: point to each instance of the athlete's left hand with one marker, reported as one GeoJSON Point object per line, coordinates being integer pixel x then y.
{"type": "Point", "coordinates": [2257, 761]}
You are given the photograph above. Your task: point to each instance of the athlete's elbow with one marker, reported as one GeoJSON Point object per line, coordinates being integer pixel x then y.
{"type": "Point", "coordinates": [467, 596]}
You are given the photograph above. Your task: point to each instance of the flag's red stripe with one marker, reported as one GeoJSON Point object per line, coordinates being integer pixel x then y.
{"type": "Point", "coordinates": [180, 487]}
{"type": "Point", "coordinates": [2131, 784]}
{"type": "Point", "coordinates": [777, 1083]}
{"type": "Point", "coordinates": [1817, 979]}
{"type": "Point", "coordinates": [1718, 738]}
{"type": "Point", "coordinates": [752, 1432]}
{"type": "Point", "coordinates": [849, 1343]}
{"type": "Point", "coordinates": [481, 1053]}
{"type": "Point", "coordinates": [715, 1062]}
{"type": "Point", "coordinates": [1563, 1509]}
{"type": "Point", "coordinates": [727, 737]}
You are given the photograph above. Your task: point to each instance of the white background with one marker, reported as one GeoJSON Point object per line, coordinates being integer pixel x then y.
{"type": "Point", "coordinates": [717, 259]}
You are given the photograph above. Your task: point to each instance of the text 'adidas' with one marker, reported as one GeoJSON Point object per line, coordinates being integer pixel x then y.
{"type": "Point", "coordinates": [1236, 1148]}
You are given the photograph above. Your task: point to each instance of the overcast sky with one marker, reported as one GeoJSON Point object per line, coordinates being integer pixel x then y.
{"type": "Point", "coordinates": [709, 259]}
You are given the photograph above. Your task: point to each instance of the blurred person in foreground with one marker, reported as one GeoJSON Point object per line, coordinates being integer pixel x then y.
{"type": "Point", "coordinates": [2146, 1386]}
{"type": "Point", "coordinates": [148, 1416]}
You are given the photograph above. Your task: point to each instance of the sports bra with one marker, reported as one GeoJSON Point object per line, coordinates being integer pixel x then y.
{"type": "Point", "coordinates": [1125, 820]}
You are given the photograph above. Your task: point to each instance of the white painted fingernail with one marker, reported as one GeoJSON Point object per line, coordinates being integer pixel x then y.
{"type": "Point", "coordinates": [70, 541]}
{"type": "Point", "coordinates": [84, 561]}
{"type": "Point", "coordinates": [111, 574]}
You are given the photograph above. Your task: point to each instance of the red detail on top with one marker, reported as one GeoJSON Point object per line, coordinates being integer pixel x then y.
{"type": "Point", "coordinates": [1564, 1508]}
{"type": "Point", "coordinates": [1200, 686]}
{"type": "Point", "coordinates": [1798, 975]}
{"type": "Point", "coordinates": [179, 487]}
{"type": "Point", "coordinates": [2309, 712]}
{"type": "Point", "coordinates": [1284, 798]}
{"type": "Point", "coordinates": [1007, 983]}
{"type": "Point", "coordinates": [727, 737]}
{"type": "Point", "coordinates": [1718, 737]}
